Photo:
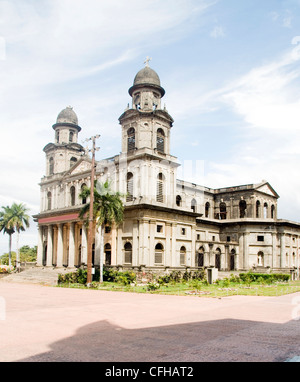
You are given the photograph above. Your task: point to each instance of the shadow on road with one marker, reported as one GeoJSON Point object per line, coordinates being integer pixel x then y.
{"type": "Point", "coordinates": [226, 340]}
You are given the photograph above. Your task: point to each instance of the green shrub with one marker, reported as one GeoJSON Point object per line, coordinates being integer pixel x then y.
{"type": "Point", "coordinates": [153, 286]}
{"type": "Point", "coordinates": [199, 274]}
{"type": "Point", "coordinates": [264, 277]}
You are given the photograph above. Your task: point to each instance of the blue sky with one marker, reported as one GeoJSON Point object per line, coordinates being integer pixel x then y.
{"type": "Point", "coordinates": [230, 70]}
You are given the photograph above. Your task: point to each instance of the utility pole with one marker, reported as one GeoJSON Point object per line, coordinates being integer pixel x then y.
{"type": "Point", "coordinates": [91, 212]}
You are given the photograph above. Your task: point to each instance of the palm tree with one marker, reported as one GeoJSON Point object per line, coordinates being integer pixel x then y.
{"type": "Point", "coordinates": [6, 226]}
{"type": "Point", "coordinates": [19, 221]}
{"type": "Point", "coordinates": [107, 210]}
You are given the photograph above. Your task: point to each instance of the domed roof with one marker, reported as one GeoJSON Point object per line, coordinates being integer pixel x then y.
{"type": "Point", "coordinates": [147, 76]}
{"type": "Point", "coordinates": [67, 116]}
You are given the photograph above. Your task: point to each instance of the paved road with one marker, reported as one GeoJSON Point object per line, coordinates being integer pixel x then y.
{"type": "Point", "coordinates": [53, 324]}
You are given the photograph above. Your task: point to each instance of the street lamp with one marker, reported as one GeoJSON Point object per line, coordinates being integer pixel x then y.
{"type": "Point", "coordinates": [91, 212]}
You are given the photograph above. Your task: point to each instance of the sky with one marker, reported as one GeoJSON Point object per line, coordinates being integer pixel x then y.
{"type": "Point", "coordinates": [231, 71]}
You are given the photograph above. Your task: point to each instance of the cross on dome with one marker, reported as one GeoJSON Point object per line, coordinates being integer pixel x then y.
{"type": "Point", "coordinates": [146, 62]}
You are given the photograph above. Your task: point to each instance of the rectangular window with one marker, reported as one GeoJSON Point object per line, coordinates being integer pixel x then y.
{"type": "Point", "coordinates": [107, 229]}
{"type": "Point", "coordinates": [159, 228]}
{"type": "Point", "coordinates": [260, 238]}
{"type": "Point", "coordinates": [198, 237]}
{"type": "Point", "coordinates": [228, 238]}
{"type": "Point", "coordinates": [183, 231]}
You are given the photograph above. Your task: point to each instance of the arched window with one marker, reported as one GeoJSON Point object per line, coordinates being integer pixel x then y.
{"type": "Point", "coordinates": [194, 205]}
{"type": "Point", "coordinates": [71, 135]}
{"type": "Point", "coordinates": [73, 160]}
{"type": "Point", "coordinates": [178, 200]}
{"type": "Point", "coordinates": [159, 250]}
{"type": "Point", "coordinates": [182, 255]}
{"type": "Point", "coordinates": [82, 188]}
{"type": "Point", "coordinates": [57, 136]}
{"type": "Point", "coordinates": [107, 251]}
{"type": "Point", "coordinates": [207, 207]}
{"type": "Point", "coordinates": [72, 193]}
{"type": "Point", "coordinates": [129, 180]}
{"type": "Point", "coordinates": [131, 139]}
{"type": "Point", "coordinates": [265, 211]}
{"type": "Point", "coordinates": [49, 201]}
{"type": "Point", "coordinates": [223, 212]}
{"type": "Point", "coordinates": [51, 166]}
{"type": "Point", "coordinates": [160, 141]}
{"type": "Point", "coordinates": [258, 209]}
{"type": "Point", "coordinates": [243, 207]}
{"type": "Point", "coordinates": [128, 253]}
{"type": "Point", "coordinates": [273, 211]}
{"type": "Point", "coordinates": [160, 188]}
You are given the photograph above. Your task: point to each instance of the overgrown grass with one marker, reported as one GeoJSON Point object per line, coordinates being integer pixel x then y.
{"type": "Point", "coordinates": [233, 286]}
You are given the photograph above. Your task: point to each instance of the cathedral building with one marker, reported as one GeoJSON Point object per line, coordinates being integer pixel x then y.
{"type": "Point", "coordinates": [168, 223]}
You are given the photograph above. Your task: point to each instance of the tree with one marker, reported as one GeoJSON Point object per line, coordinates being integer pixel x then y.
{"type": "Point", "coordinates": [20, 221]}
{"type": "Point", "coordinates": [6, 226]}
{"type": "Point", "coordinates": [108, 210]}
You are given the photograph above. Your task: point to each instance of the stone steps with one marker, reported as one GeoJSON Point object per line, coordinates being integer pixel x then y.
{"type": "Point", "coordinates": [36, 275]}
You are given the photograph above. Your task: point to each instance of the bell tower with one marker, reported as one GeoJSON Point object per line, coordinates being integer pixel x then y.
{"type": "Point", "coordinates": [65, 151]}
{"type": "Point", "coordinates": [146, 130]}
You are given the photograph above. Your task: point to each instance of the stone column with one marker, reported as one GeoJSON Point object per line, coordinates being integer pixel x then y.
{"type": "Point", "coordinates": [49, 254]}
{"type": "Point", "coordinates": [282, 250]}
{"type": "Point", "coordinates": [84, 245]}
{"type": "Point", "coordinates": [40, 247]}
{"type": "Point", "coordinates": [135, 243]}
{"type": "Point", "coordinates": [65, 245]}
{"type": "Point", "coordinates": [71, 262]}
{"type": "Point", "coordinates": [59, 262]}
{"type": "Point", "coordinates": [246, 254]}
{"type": "Point", "coordinates": [152, 243]}
{"type": "Point", "coordinates": [192, 255]}
{"type": "Point", "coordinates": [173, 247]}
{"type": "Point", "coordinates": [168, 251]}
{"type": "Point", "coordinates": [54, 245]}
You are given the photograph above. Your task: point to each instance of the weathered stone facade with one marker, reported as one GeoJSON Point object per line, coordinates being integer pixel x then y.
{"type": "Point", "coordinates": [168, 223]}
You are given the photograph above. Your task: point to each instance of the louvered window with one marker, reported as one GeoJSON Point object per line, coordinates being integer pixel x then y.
{"type": "Point", "coordinates": [72, 192]}
{"type": "Point", "coordinates": [182, 255]}
{"type": "Point", "coordinates": [129, 197]}
{"type": "Point", "coordinates": [160, 188]}
{"type": "Point", "coordinates": [131, 139]}
{"type": "Point", "coordinates": [160, 141]}
{"type": "Point", "coordinates": [159, 250]}
{"type": "Point", "coordinates": [128, 253]}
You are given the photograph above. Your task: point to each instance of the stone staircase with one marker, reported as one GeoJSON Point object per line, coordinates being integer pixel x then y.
{"type": "Point", "coordinates": [35, 275]}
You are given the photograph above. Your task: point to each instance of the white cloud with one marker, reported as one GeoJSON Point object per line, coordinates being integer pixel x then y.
{"type": "Point", "coordinates": [217, 32]}
{"type": "Point", "coordinates": [50, 50]}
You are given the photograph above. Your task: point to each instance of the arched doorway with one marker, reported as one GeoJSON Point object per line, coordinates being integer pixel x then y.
{"type": "Point", "coordinates": [200, 258]}
{"type": "Point", "coordinates": [232, 260]}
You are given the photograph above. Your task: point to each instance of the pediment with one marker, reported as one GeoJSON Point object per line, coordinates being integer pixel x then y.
{"type": "Point", "coordinates": [81, 166]}
{"type": "Point", "coordinates": [266, 188]}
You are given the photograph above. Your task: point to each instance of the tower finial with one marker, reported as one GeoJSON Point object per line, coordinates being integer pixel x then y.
{"type": "Point", "coordinates": [146, 62]}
